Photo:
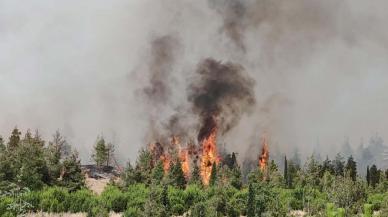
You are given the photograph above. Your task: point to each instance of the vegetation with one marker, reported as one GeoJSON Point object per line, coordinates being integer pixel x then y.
{"type": "Point", "coordinates": [35, 176]}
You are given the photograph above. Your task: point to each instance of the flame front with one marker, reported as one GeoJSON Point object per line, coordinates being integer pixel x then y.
{"type": "Point", "coordinates": [165, 158]}
{"type": "Point", "coordinates": [264, 156]}
{"type": "Point", "coordinates": [184, 157]}
{"type": "Point", "coordinates": [209, 156]}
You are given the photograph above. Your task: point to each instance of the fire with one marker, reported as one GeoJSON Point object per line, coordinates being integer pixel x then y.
{"type": "Point", "coordinates": [184, 157]}
{"type": "Point", "coordinates": [209, 156]}
{"type": "Point", "coordinates": [264, 156]}
{"type": "Point", "coordinates": [165, 158]}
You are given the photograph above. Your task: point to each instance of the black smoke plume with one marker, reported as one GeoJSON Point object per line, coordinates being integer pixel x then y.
{"type": "Point", "coordinates": [163, 52]}
{"type": "Point", "coordinates": [220, 94]}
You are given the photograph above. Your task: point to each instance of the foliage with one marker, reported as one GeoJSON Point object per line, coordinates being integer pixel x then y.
{"type": "Point", "coordinates": [100, 155]}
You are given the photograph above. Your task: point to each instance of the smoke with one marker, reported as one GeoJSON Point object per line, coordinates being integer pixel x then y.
{"type": "Point", "coordinates": [160, 67]}
{"type": "Point", "coordinates": [221, 93]}
{"type": "Point", "coordinates": [316, 69]}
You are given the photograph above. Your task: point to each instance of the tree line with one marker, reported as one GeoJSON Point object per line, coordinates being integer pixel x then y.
{"type": "Point", "coordinates": [36, 175]}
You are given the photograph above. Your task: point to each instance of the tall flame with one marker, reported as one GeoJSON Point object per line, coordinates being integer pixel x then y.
{"type": "Point", "coordinates": [184, 157]}
{"type": "Point", "coordinates": [264, 156]}
{"type": "Point", "coordinates": [209, 155]}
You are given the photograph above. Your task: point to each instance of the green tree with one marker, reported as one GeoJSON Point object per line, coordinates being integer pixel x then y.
{"type": "Point", "coordinates": [110, 155]}
{"type": "Point", "coordinates": [251, 209]}
{"type": "Point", "coordinates": [71, 175]}
{"type": "Point", "coordinates": [327, 166]}
{"type": "Point", "coordinates": [29, 164]}
{"type": "Point", "coordinates": [213, 175]}
{"type": "Point", "coordinates": [374, 176]}
{"type": "Point", "coordinates": [351, 167]}
{"type": "Point", "coordinates": [339, 165]}
{"type": "Point", "coordinates": [158, 173]}
{"type": "Point", "coordinates": [176, 175]}
{"type": "Point", "coordinates": [100, 155]}
{"type": "Point", "coordinates": [164, 199]}
{"type": "Point", "coordinates": [129, 176]}
{"type": "Point", "coordinates": [14, 140]}
{"type": "Point", "coordinates": [286, 172]}
{"type": "Point", "coordinates": [367, 175]}
{"type": "Point", "coordinates": [195, 175]}
{"type": "Point", "coordinates": [2, 145]}
{"type": "Point", "coordinates": [236, 179]}
{"type": "Point", "coordinates": [54, 155]}
{"type": "Point", "coordinates": [143, 169]}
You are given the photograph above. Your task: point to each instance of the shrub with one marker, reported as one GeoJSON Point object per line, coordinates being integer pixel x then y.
{"type": "Point", "coordinates": [98, 211]}
{"type": "Point", "coordinates": [132, 212]}
{"type": "Point", "coordinates": [198, 210]}
{"type": "Point", "coordinates": [114, 199]}
{"type": "Point", "coordinates": [81, 201]}
{"type": "Point", "coordinates": [53, 200]}
{"type": "Point", "coordinates": [136, 196]}
{"type": "Point", "coordinates": [367, 210]}
{"type": "Point", "coordinates": [4, 203]}
{"type": "Point", "coordinates": [176, 199]}
{"type": "Point", "coordinates": [192, 195]}
{"type": "Point", "coordinates": [376, 201]}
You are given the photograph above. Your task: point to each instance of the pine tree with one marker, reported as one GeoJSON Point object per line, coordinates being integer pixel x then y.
{"type": "Point", "coordinates": [176, 174]}
{"type": "Point", "coordinates": [14, 140]}
{"type": "Point", "coordinates": [367, 176]}
{"type": "Point", "coordinates": [374, 176]}
{"type": "Point", "coordinates": [143, 169]}
{"type": "Point", "coordinates": [236, 180]}
{"type": "Point", "coordinates": [195, 175]}
{"type": "Point", "coordinates": [54, 155]}
{"type": "Point", "coordinates": [234, 160]}
{"type": "Point", "coordinates": [251, 211]}
{"type": "Point", "coordinates": [285, 171]}
{"type": "Point", "coordinates": [164, 200]}
{"type": "Point", "coordinates": [339, 165]}
{"type": "Point", "coordinates": [327, 166]}
{"type": "Point", "coordinates": [100, 154]}
{"type": "Point", "coordinates": [110, 149]}
{"type": "Point", "coordinates": [213, 175]}
{"type": "Point", "coordinates": [2, 146]}
{"type": "Point", "coordinates": [71, 175]}
{"type": "Point", "coordinates": [158, 173]}
{"type": "Point", "coordinates": [129, 176]}
{"type": "Point", "coordinates": [351, 167]}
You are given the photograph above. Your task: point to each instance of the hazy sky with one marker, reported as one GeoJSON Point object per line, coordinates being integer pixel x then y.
{"type": "Point", "coordinates": [320, 67]}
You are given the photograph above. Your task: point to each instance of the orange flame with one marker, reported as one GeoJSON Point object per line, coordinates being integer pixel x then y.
{"type": "Point", "coordinates": [184, 157]}
{"type": "Point", "coordinates": [264, 156]}
{"type": "Point", "coordinates": [209, 156]}
{"type": "Point", "coordinates": [165, 158]}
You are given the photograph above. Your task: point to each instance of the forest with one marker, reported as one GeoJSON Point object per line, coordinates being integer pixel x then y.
{"type": "Point", "coordinates": [47, 176]}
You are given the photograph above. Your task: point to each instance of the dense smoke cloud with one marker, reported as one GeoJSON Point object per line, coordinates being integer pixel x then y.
{"type": "Point", "coordinates": [220, 94]}
{"type": "Point", "coordinates": [122, 69]}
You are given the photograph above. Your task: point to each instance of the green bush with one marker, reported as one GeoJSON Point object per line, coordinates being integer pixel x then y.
{"type": "Point", "coordinates": [114, 199]}
{"type": "Point", "coordinates": [81, 201]}
{"type": "Point", "coordinates": [4, 203]}
{"type": "Point", "coordinates": [341, 212]}
{"type": "Point", "coordinates": [54, 199]}
{"type": "Point", "coordinates": [199, 210]}
{"type": "Point", "coordinates": [33, 198]}
{"type": "Point", "coordinates": [8, 214]}
{"type": "Point", "coordinates": [367, 210]}
{"type": "Point", "coordinates": [192, 195]}
{"type": "Point", "coordinates": [330, 212]}
{"type": "Point", "coordinates": [132, 212]}
{"type": "Point", "coordinates": [136, 195]}
{"type": "Point", "coordinates": [98, 211]}
{"type": "Point", "coordinates": [376, 201]}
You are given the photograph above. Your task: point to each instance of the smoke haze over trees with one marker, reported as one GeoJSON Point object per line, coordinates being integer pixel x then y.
{"type": "Point", "coordinates": [118, 70]}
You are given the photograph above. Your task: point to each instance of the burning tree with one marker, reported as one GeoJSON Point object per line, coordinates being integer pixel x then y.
{"type": "Point", "coordinates": [264, 156]}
